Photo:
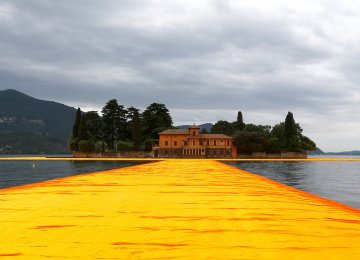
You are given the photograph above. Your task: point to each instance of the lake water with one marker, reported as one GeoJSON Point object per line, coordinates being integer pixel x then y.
{"type": "Point", "coordinates": [14, 173]}
{"type": "Point", "coordinates": [334, 180]}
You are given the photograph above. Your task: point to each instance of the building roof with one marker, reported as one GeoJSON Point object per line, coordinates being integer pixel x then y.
{"type": "Point", "coordinates": [215, 136]}
{"type": "Point", "coordinates": [175, 132]}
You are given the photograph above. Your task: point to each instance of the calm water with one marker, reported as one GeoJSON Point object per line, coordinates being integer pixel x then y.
{"type": "Point", "coordinates": [14, 173]}
{"type": "Point", "coordinates": [338, 181]}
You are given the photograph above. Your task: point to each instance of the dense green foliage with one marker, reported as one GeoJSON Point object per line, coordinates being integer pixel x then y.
{"type": "Point", "coordinates": [124, 146]}
{"type": "Point", "coordinates": [284, 137]}
{"type": "Point", "coordinates": [156, 118]}
{"type": "Point", "coordinates": [249, 142]}
{"type": "Point", "coordinates": [119, 129]}
{"type": "Point", "coordinates": [223, 127]}
{"type": "Point", "coordinates": [136, 130]}
{"type": "Point", "coordinates": [29, 125]}
{"type": "Point", "coordinates": [149, 143]}
{"type": "Point", "coordinates": [86, 146]}
{"type": "Point", "coordinates": [83, 134]}
{"type": "Point", "coordinates": [114, 118]}
{"type": "Point", "coordinates": [76, 124]}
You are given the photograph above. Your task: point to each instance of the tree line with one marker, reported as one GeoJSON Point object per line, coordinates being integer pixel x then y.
{"type": "Point", "coordinates": [124, 129]}
{"type": "Point", "coordinates": [249, 138]}
{"type": "Point", "coordinates": [119, 128]}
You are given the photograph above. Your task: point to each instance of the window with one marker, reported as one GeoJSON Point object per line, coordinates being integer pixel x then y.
{"type": "Point", "coordinates": [166, 143]}
{"type": "Point", "coordinates": [200, 142]}
{"type": "Point", "coordinates": [194, 133]}
{"type": "Point", "coordinates": [221, 141]}
{"type": "Point", "coordinates": [194, 142]}
{"type": "Point", "coordinates": [228, 143]}
{"type": "Point", "coordinates": [175, 143]}
{"type": "Point", "coordinates": [214, 142]}
{"type": "Point", "coordinates": [185, 142]}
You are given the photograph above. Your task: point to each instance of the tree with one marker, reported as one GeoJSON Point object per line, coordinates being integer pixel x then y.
{"type": "Point", "coordinates": [292, 139]}
{"type": "Point", "coordinates": [83, 134]}
{"type": "Point", "coordinates": [223, 127]}
{"type": "Point", "coordinates": [136, 130]}
{"type": "Point", "coordinates": [114, 120]}
{"type": "Point", "coordinates": [76, 126]}
{"type": "Point", "coordinates": [257, 128]}
{"type": "Point", "coordinates": [129, 122]}
{"type": "Point", "coordinates": [239, 122]}
{"type": "Point", "coordinates": [94, 126]}
{"type": "Point", "coordinates": [307, 144]}
{"type": "Point", "coordinates": [290, 133]}
{"type": "Point", "coordinates": [86, 146]}
{"type": "Point", "coordinates": [250, 142]}
{"type": "Point", "coordinates": [156, 118]}
{"type": "Point", "coordinates": [73, 140]}
{"type": "Point", "coordinates": [273, 145]}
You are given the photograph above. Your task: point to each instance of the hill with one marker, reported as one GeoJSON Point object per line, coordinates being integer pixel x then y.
{"type": "Point", "coordinates": [355, 152]}
{"type": "Point", "coordinates": [30, 125]}
{"type": "Point", "coordinates": [318, 151]}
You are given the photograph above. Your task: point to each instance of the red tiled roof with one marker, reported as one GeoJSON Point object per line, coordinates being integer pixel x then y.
{"type": "Point", "coordinates": [175, 132]}
{"type": "Point", "coordinates": [215, 136]}
{"type": "Point", "coordinates": [186, 132]}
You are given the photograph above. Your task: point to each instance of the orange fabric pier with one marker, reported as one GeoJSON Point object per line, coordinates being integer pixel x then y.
{"type": "Point", "coordinates": [173, 209]}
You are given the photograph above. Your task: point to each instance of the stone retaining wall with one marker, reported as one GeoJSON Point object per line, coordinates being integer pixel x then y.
{"type": "Point", "coordinates": [129, 154]}
{"type": "Point", "coordinates": [284, 155]}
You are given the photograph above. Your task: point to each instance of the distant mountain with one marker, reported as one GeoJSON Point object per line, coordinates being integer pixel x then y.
{"type": "Point", "coordinates": [318, 151]}
{"type": "Point", "coordinates": [30, 125]}
{"type": "Point", "coordinates": [355, 152]}
{"type": "Point", "coordinates": [207, 126]}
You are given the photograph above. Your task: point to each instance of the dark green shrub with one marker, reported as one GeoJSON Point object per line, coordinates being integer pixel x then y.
{"type": "Point", "coordinates": [100, 146]}
{"type": "Point", "coordinates": [73, 144]}
{"type": "Point", "coordinates": [86, 146]}
{"type": "Point", "coordinates": [124, 146]}
{"type": "Point", "coordinates": [149, 143]}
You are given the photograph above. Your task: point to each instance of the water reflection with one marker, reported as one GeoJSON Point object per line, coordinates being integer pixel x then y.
{"type": "Point", "coordinates": [338, 181]}
{"type": "Point", "coordinates": [14, 173]}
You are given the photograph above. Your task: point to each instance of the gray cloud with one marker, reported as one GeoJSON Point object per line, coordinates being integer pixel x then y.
{"type": "Point", "coordinates": [204, 59]}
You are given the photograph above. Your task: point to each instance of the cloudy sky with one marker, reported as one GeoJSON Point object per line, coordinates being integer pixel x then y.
{"type": "Point", "coordinates": [205, 59]}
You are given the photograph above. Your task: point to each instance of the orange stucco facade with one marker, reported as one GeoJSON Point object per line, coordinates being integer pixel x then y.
{"type": "Point", "coordinates": [190, 143]}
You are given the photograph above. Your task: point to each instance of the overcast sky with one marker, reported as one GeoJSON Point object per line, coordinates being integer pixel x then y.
{"type": "Point", "coordinates": [204, 59]}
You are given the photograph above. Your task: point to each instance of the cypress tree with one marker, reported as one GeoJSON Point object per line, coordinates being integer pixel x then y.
{"type": "Point", "coordinates": [240, 123]}
{"type": "Point", "coordinates": [76, 126]}
{"type": "Point", "coordinates": [83, 134]}
{"type": "Point", "coordinates": [289, 130]}
{"type": "Point", "coordinates": [136, 130]}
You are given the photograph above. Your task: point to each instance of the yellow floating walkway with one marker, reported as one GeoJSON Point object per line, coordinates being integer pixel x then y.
{"type": "Point", "coordinates": [174, 209]}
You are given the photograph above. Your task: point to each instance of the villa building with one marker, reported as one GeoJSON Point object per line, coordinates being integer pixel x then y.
{"type": "Point", "coordinates": [184, 143]}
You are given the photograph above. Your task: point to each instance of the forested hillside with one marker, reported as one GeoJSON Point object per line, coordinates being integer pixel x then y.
{"type": "Point", "coordinates": [30, 125]}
